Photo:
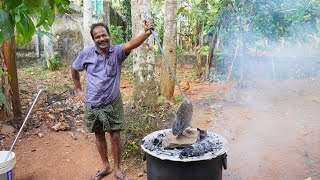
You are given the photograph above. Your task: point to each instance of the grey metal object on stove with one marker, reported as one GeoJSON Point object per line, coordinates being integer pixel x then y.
{"type": "Point", "coordinates": [184, 114]}
{"type": "Point", "coordinates": [183, 117]}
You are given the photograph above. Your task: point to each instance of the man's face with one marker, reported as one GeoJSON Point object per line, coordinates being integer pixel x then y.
{"type": "Point", "coordinates": [101, 37]}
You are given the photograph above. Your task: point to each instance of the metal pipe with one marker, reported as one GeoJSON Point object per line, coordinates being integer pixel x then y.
{"type": "Point", "coordinates": [41, 88]}
{"type": "Point", "coordinates": [155, 35]}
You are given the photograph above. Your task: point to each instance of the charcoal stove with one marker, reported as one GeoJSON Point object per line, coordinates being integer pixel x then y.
{"type": "Point", "coordinates": [175, 164]}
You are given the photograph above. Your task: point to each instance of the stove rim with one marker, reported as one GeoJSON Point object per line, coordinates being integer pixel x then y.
{"type": "Point", "coordinates": [206, 156]}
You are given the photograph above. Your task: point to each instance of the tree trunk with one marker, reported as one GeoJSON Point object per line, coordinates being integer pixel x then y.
{"type": "Point", "coordinates": [244, 53]}
{"type": "Point", "coordinates": [197, 48]}
{"type": "Point", "coordinates": [48, 49]}
{"type": "Point", "coordinates": [169, 47]}
{"type": "Point", "coordinates": [146, 87]}
{"type": "Point", "coordinates": [106, 11]}
{"type": "Point", "coordinates": [207, 68]}
{"type": "Point", "coordinates": [4, 84]}
{"type": "Point", "coordinates": [199, 61]}
{"type": "Point", "coordinates": [179, 37]}
{"type": "Point", "coordinates": [211, 60]}
{"type": "Point", "coordinates": [87, 20]}
{"type": "Point", "coordinates": [9, 53]}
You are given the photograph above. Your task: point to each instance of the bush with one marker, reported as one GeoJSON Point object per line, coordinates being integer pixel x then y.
{"type": "Point", "coordinates": [179, 98]}
{"type": "Point", "coordinates": [140, 122]}
{"type": "Point", "coordinates": [53, 63]}
{"type": "Point", "coordinates": [117, 34]}
{"type": "Point", "coordinates": [179, 50]}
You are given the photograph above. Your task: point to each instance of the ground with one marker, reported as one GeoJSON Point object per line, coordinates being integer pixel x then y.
{"type": "Point", "coordinates": [271, 125]}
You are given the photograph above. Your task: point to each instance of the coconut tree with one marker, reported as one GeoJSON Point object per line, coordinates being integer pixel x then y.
{"type": "Point", "coordinates": [145, 82]}
{"type": "Point", "coordinates": [87, 20]}
{"type": "Point", "coordinates": [169, 46]}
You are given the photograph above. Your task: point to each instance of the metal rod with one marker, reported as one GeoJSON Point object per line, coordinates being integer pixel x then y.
{"type": "Point", "coordinates": [234, 58]}
{"type": "Point", "coordinates": [168, 63]}
{"type": "Point", "coordinates": [25, 120]}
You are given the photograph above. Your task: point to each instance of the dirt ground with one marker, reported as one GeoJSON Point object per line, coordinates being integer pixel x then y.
{"type": "Point", "coordinates": [272, 127]}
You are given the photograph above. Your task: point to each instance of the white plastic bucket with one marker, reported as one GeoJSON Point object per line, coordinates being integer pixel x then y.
{"type": "Point", "coordinates": [7, 167]}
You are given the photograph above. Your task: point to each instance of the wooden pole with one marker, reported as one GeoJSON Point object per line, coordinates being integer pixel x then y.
{"type": "Point", "coordinates": [274, 74]}
{"type": "Point", "coordinates": [234, 58]}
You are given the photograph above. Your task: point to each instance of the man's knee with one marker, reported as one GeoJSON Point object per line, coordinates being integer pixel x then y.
{"type": "Point", "coordinates": [115, 136]}
{"type": "Point", "coordinates": [100, 134]}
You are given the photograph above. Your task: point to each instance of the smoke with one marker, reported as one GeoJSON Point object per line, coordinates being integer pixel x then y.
{"type": "Point", "coordinates": [269, 39]}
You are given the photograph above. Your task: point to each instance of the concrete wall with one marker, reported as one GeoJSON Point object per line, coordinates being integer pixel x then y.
{"type": "Point", "coordinates": [184, 61]}
{"type": "Point", "coordinates": [67, 39]}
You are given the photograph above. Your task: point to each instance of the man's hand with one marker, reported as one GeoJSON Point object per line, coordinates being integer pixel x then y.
{"type": "Point", "coordinates": [137, 41]}
{"type": "Point", "coordinates": [80, 96]}
{"type": "Point", "coordinates": [148, 25]}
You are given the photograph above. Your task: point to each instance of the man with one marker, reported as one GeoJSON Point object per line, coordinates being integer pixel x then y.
{"type": "Point", "coordinates": [104, 108]}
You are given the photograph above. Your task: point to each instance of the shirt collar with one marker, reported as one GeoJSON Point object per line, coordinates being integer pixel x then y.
{"type": "Point", "coordinates": [111, 49]}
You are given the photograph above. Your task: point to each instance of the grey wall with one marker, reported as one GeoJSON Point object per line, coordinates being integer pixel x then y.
{"type": "Point", "coordinates": [67, 39]}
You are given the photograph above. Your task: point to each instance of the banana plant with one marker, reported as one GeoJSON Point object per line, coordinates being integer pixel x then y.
{"type": "Point", "coordinates": [18, 22]}
{"type": "Point", "coordinates": [19, 15]}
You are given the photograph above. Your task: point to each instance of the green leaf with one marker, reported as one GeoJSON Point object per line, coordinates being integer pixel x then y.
{"type": "Point", "coordinates": [17, 17]}
{"type": "Point", "coordinates": [46, 26]}
{"type": "Point", "coordinates": [197, 2]}
{"type": "Point", "coordinates": [47, 14]}
{"type": "Point", "coordinates": [62, 5]}
{"type": "Point", "coordinates": [57, 1]}
{"type": "Point", "coordinates": [12, 4]}
{"type": "Point", "coordinates": [51, 16]}
{"type": "Point", "coordinates": [2, 39]}
{"type": "Point", "coordinates": [2, 72]}
{"type": "Point", "coordinates": [50, 35]}
{"type": "Point", "coordinates": [4, 101]}
{"type": "Point", "coordinates": [26, 28]}
{"type": "Point", "coordinates": [6, 26]}
{"type": "Point", "coordinates": [180, 10]}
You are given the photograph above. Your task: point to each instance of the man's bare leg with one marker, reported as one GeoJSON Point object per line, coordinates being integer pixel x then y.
{"type": "Point", "coordinates": [102, 147]}
{"type": "Point", "coordinates": [116, 150]}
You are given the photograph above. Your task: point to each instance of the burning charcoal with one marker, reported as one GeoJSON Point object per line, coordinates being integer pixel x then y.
{"type": "Point", "coordinates": [161, 135]}
{"type": "Point", "coordinates": [198, 149]}
{"type": "Point", "coordinates": [157, 142]}
{"type": "Point", "coordinates": [153, 144]}
{"type": "Point", "coordinates": [148, 145]}
{"type": "Point", "coordinates": [168, 153]}
{"type": "Point", "coordinates": [209, 145]}
{"type": "Point", "coordinates": [203, 133]}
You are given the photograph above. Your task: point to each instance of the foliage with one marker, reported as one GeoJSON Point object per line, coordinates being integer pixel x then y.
{"type": "Point", "coordinates": [157, 52]}
{"type": "Point", "coordinates": [19, 14]}
{"type": "Point", "coordinates": [179, 50]}
{"type": "Point", "coordinates": [142, 121]}
{"type": "Point", "coordinates": [249, 21]}
{"type": "Point", "coordinates": [179, 98]}
{"type": "Point", "coordinates": [219, 58]}
{"type": "Point", "coordinates": [126, 11]}
{"type": "Point", "coordinates": [117, 34]}
{"type": "Point", "coordinates": [158, 18]}
{"type": "Point", "coordinates": [204, 50]}
{"type": "Point", "coordinates": [54, 63]}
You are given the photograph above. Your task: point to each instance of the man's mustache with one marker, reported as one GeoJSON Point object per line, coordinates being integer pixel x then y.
{"type": "Point", "coordinates": [103, 42]}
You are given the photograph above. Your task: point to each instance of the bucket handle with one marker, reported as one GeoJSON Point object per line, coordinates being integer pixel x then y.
{"type": "Point", "coordinates": [224, 161]}
{"type": "Point", "coordinates": [40, 88]}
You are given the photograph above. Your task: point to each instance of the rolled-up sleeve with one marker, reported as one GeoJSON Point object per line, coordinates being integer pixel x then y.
{"type": "Point", "coordinates": [120, 52]}
{"type": "Point", "coordinates": [78, 64]}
